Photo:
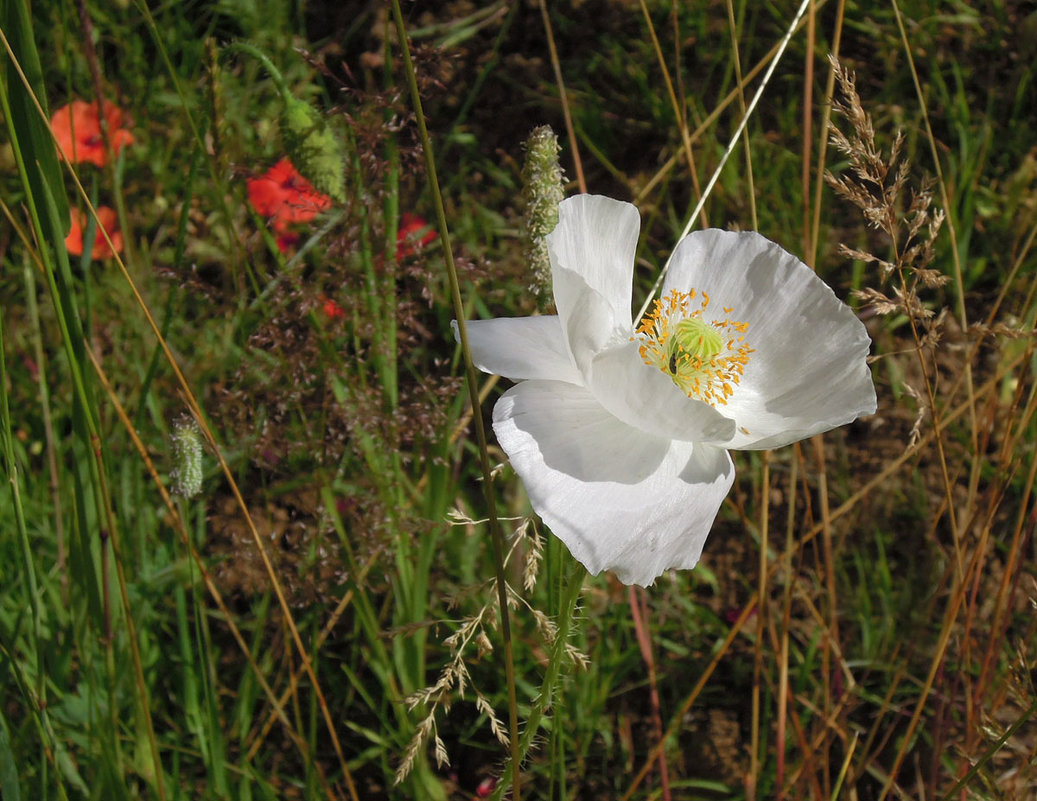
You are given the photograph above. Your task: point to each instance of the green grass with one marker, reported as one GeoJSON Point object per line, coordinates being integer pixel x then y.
{"type": "Point", "coordinates": [860, 625]}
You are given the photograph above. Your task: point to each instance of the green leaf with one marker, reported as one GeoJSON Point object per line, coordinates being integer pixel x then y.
{"type": "Point", "coordinates": [30, 135]}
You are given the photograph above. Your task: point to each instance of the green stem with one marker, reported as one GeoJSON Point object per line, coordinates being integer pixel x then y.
{"type": "Point", "coordinates": [473, 392]}
{"type": "Point", "coordinates": [268, 65]}
{"type": "Point", "coordinates": [11, 465]}
{"type": "Point", "coordinates": [543, 702]}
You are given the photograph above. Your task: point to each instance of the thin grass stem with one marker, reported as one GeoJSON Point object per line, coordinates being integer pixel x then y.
{"type": "Point", "coordinates": [730, 147]}
{"type": "Point", "coordinates": [786, 618]}
{"type": "Point", "coordinates": [822, 144]}
{"type": "Point", "coordinates": [678, 114]}
{"type": "Point", "coordinates": [736, 59]}
{"type": "Point", "coordinates": [563, 98]}
{"type": "Point", "coordinates": [755, 747]}
{"type": "Point", "coordinates": [473, 391]}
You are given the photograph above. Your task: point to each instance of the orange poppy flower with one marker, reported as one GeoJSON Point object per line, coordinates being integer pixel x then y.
{"type": "Point", "coordinates": [100, 250]}
{"type": "Point", "coordinates": [408, 241]}
{"type": "Point", "coordinates": [283, 195]}
{"type": "Point", "coordinates": [77, 128]}
{"type": "Point", "coordinates": [286, 240]}
{"type": "Point", "coordinates": [331, 309]}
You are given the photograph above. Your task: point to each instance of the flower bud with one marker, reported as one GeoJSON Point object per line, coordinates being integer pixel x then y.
{"type": "Point", "coordinates": [314, 148]}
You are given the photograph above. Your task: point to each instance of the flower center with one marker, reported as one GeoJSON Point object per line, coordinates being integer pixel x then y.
{"type": "Point", "coordinates": [704, 357]}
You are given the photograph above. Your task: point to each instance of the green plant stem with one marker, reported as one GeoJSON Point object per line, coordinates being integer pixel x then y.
{"type": "Point", "coordinates": [268, 65]}
{"type": "Point", "coordinates": [543, 702]}
{"type": "Point", "coordinates": [473, 391]}
{"type": "Point", "coordinates": [13, 480]}
{"type": "Point", "coordinates": [982, 761]}
{"type": "Point", "coordinates": [32, 308]}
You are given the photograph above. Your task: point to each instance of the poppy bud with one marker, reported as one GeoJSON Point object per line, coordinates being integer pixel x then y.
{"type": "Point", "coordinates": [313, 147]}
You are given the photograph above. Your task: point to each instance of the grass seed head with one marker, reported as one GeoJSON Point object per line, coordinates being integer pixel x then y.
{"type": "Point", "coordinates": [543, 190]}
{"type": "Point", "coordinates": [186, 440]}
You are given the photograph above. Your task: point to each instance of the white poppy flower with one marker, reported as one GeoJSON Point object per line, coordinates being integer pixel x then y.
{"type": "Point", "coordinates": [620, 433]}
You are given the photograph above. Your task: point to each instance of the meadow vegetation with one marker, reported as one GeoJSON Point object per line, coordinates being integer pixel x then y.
{"type": "Point", "coordinates": [246, 551]}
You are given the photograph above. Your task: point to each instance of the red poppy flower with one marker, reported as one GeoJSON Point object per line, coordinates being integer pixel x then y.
{"type": "Point", "coordinates": [410, 238]}
{"type": "Point", "coordinates": [285, 240]}
{"type": "Point", "coordinates": [77, 128]}
{"type": "Point", "coordinates": [100, 250]}
{"type": "Point", "coordinates": [332, 309]}
{"type": "Point", "coordinates": [283, 195]}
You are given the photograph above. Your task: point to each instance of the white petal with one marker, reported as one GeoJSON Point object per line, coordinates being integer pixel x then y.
{"type": "Point", "coordinates": [646, 398]}
{"type": "Point", "coordinates": [619, 499]}
{"type": "Point", "coordinates": [589, 322]}
{"type": "Point", "coordinates": [521, 347]}
{"type": "Point", "coordinates": [594, 242]}
{"type": "Point", "coordinates": [809, 372]}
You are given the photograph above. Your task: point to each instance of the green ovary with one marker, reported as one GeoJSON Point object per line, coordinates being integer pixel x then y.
{"type": "Point", "coordinates": [706, 360]}
{"type": "Point", "coordinates": [693, 345]}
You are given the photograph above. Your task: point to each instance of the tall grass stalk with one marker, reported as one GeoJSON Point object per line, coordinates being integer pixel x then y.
{"type": "Point", "coordinates": [678, 113]}
{"type": "Point", "coordinates": [780, 50]}
{"type": "Point", "coordinates": [37, 166]}
{"type": "Point", "coordinates": [472, 382]}
{"type": "Point", "coordinates": [14, 482]}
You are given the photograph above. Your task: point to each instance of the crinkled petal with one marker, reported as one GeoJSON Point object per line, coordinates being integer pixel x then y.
{"type": "Point", "coordinates": [809, 372]}
{"type": "Point", "coordinates": [619, 499]}
{"type": "Point", "coordinates": [521, 347]}
{"type": "Point", "coordinates": [646, 398]}
{"type": "Point", "coordinates": [592, 268]}
{"type": "Point", "coordinates": [588, 327]}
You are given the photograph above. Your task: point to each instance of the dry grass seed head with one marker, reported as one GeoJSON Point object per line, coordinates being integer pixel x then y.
{"type": "Point", "coordinates": [496, 726]}
{"type": "Point", "coordinates": [424, 730]}
{"type": "Point", "coordinates": [923, 409]}
{"type": "Point", "coordinates": [534, 554]}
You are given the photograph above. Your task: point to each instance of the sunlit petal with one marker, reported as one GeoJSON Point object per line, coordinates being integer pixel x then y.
{"type": "Point", "coordinates": [645, 398]}
{"type": "Point", "coordinates": [619, 499]}
{"type": "Point", "coordinates": [589, 326]}
{"type": "Point", "coordinates": [596, 238]}
{"type": "Point", "coordinates": [808, 372]}
{"type": "Point", "coordinates": [522, 347]}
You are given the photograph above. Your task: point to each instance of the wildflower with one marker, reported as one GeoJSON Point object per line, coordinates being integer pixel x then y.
{"type": "Point", "coordinates": [621, 433]}
{"type": "Point", "coordinates": [77, 128]}
{"type": "Point", "coordinates": [332, 310]}
{"type": "Point", "coordinates": [413, 235]}
{"type": "Point", "coordinates": [100, 249]}
{"type": "Point", "coordinates": [283, 195]}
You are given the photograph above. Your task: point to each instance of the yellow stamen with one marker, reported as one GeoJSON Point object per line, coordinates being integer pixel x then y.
{"type": "Point", "coordinates": [698, 353]}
